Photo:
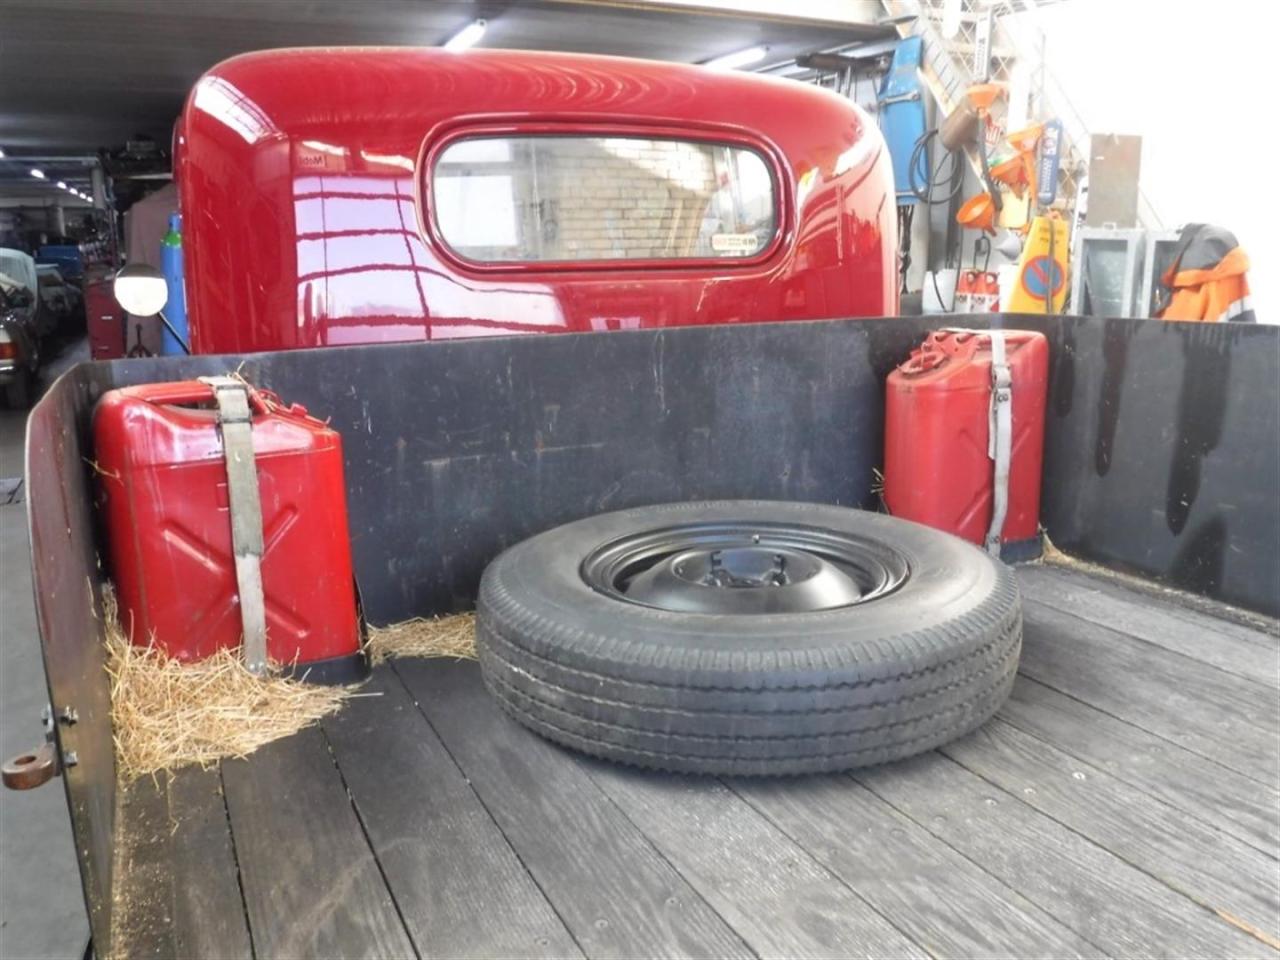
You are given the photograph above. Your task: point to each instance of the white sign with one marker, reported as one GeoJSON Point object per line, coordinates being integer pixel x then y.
{"type": "Point", "coordinates": [734, 242]}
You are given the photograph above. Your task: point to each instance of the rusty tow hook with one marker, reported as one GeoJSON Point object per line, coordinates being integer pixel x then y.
{"type": "Point", "coordinates": [34, 768]}
{"type": "Point", "coordinates": [29, 770]}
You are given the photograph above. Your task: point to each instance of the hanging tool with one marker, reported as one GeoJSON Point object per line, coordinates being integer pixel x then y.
{"type": "Point", "coordinates": [901, 110]}
{"type": "Point", "coordinates": [901, 115]}
{"type": "Point", "coordinates": [1018, 172]}
{"type": "Point", "coordinates": [983, 96]}
{"type": "Point", "coordinates": [968, 124]}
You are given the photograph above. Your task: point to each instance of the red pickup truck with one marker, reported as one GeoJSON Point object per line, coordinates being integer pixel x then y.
{"type": "Point", "coordinates": [430, 195]}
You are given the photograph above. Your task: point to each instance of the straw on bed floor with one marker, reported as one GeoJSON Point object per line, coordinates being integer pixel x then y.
{"type": "Point", "coordinates": [167, 714]}
{"type": "Point", "coordinates": [452, 636]}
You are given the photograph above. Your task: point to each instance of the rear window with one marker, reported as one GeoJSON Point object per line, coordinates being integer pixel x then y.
{"type": "Point", "coordinates": [570, 198]}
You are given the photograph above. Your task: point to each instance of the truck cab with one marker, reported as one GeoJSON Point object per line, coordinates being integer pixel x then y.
{"type": "Point", "coordinates": [429, 195]}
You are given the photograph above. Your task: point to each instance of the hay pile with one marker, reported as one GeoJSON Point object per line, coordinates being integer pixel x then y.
{"type": "Point", "coordinates": [453, 636]}
{"type": "Point", "coordinates": [167, 714]}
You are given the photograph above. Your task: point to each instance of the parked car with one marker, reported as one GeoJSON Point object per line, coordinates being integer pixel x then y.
{"type": "Point", "coordinates": [62, 299]}
{"type": "Point", "coordinates": [22, 269]}
{"type": "Point", "coordinates": [19, 342]}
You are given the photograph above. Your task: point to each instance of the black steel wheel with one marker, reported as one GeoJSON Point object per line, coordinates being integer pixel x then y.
{"type": "Point", "coordinates": [746, 637]}
{"type": "Point", "coordinates": [753, 567]}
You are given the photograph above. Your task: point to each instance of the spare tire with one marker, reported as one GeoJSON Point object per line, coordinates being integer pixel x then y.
{"type": "Point", "coordinates": [748, 637]}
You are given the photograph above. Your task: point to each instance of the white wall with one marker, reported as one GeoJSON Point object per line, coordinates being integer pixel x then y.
{"type": "Point", "coordinates": [1198, 81]}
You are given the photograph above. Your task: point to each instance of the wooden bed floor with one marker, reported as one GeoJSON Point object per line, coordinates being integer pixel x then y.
{"type": "Point", "coordinates": [1124, 803]}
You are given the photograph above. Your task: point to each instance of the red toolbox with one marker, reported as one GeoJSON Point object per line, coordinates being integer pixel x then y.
{"type": "Point", "coordinates": [104, 318]}
{"type": "Point", "coordinates": [941, 463]}
{"type": "Point", "coordinates": [166, 501]}
{"type": "Point", "coordinates": [112, 332]}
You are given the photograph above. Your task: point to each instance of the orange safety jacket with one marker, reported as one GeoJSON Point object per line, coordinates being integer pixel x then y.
{"type": "Point", "coordinates": [1206, 280]}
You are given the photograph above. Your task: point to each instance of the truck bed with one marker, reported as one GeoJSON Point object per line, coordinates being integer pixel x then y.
{"type": "Point", "coordinates": [1123, 803]}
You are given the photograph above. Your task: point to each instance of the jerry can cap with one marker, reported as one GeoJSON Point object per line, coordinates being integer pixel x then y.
{"type": "Point", "coordinates": [923, 358]}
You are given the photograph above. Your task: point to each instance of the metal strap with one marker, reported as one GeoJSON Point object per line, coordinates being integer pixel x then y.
{"type": "Point", "coordinates": [999, 438]}
{"type": "Point", "coordinates": [236, 420]}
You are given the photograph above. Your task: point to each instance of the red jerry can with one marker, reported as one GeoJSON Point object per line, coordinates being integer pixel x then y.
{"type": "Point", "coordinates": [942, 436]}
{"type": "Point", "coordinates": [164, 484]}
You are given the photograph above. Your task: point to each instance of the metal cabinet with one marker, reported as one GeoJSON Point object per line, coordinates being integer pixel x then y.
{"type": "Point", "coordinates": [1107, 273]}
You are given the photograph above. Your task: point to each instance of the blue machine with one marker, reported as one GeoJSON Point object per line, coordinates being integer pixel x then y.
{"type": "Point", "coordinates": [902, 116]}
{"type": "Point", "coordinates": [175, 310]}
{"type": "Point", "coordinates": [65, 256]}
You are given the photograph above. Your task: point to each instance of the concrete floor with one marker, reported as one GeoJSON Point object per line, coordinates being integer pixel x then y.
{"type": "Point", "coordinates": [41, 906]}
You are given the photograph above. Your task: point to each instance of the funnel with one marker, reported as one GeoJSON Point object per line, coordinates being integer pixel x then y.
{"type": "Point", "coordinates": [1012, 172]}
{"type": "Point", "coordinates": [983, 95]}
{"type": "Point", "coordinates": [1026, 139]}
{"type": "Point", "coordinates": [978, 213]}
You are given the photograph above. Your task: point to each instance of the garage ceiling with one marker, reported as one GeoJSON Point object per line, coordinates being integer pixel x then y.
{"type": "Point", "coordinates": [76, 75]}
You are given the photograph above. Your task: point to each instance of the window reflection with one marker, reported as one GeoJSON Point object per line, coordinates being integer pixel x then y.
{"type": "Point", "coordinates": [224, 102]}
{"type": "Point", "coordinates": [365, 274]}
{"type": "Point", "coordinates": [359, 257]}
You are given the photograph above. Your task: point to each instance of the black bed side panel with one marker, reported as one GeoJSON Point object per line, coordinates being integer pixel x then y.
{"type": "Point", "coordinates": [1163, 453]}
{"type": "Point", "coordinates": [456, 450]}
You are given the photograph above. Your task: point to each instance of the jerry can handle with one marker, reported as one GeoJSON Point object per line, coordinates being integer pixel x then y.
{"type": "Point", "coordinates": [191, 392]}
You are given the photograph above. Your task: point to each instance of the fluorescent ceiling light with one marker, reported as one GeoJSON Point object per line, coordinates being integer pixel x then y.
{"type": "Point", "coordinates": [743, 58]}
{"type": "Point", "coordinates": [37, 173]}
{"type": "Point", "coordinates": [467, 37]}
{"type": "Point", "coordinates": [1, 154]}
{"type": "Point", "coordinates": [62, 184]}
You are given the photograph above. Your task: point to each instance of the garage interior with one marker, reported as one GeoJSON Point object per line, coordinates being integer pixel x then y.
{"type": "Point", "coordinates": [1123, 801]}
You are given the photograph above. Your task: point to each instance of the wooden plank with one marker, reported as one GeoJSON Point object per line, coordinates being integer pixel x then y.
{"type": "Point", "coordinates": [1210, 615]}
{"type": "Point", "coordinates": [208, 905]}
{"type": "Point", "coordinates": [616, 894]}
{"type": "Point", "coordinates": [143, 883]}
{"type": "Point", "coordinates": [177, 892]}
{"type": "Point", "coordinates": [1199, 707]}
{"type": "Point", "coordinates": [311, 883]}
{"type": "Point", "coordinates": [448, 865]}
{"type": "Point", "coordinates": [1223, 874]}
{"type": "Point", "coordinates": [1119, 908]}
{"type": "Point", "coordinates": [918, 882]}
{"type": "Point", "coordinates": [773, 893]}
{"type": "Point", "coordinates": [1234, 804]}
{"type": "Point", "coordinates": [1202, 638]}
